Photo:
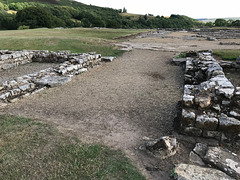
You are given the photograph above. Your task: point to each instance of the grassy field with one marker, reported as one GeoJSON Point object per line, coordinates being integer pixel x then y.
{"type": "Point", "coordinates": [32, 150]}
{"type": "Point", "coordinates": [77, 40]}
{"type": "Point", "coordinates": [228, 54]}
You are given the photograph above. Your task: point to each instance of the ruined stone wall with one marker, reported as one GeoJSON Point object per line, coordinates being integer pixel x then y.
{"type": "Point", "coordinates": [72, 64]}
{"type": "Point", "coordinates": [11, 59]}
{"type": "Point", "coordinates": [211, 104]}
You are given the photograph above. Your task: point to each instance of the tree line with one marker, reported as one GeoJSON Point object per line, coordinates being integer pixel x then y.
{"type": "Point", "coordinates": [37, 15]}
{"type": "Point", "coordinates": [224, 23]}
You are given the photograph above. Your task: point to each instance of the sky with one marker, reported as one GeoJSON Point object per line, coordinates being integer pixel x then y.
{"type": "Point", "coordinates": [191, 8]}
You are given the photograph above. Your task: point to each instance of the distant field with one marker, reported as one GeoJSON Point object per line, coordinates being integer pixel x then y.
{"type": "Point", "coordinates": [77, 39]}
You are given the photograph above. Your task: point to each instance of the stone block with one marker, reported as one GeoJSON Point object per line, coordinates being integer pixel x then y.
{"type": "Point", "coordinates": [212, 134]}
{"type": "Point", "coordinates": [195, 159]}
{"type": "Point", "coordinates": [189, 89]}
{"type": "Point", "coordinates": [235, 114]}
{"type": "Point", "coordinates": [15, 92]}
{"type": "Point", "coordinates": [206, 86]}
{"type": "Point", "coordinates": [203, 101]}
{"type": "Point", "coordinates": [188, 117]}
{"type": "Point", "coordinates": [205, 122]}
{"type": "Point", "coordinates": [228, 124]}
{"type": "Point", "coordinates": [200, 149]}
{"type": "Point", "coordinates": [108, 59]}
{"type": "Point", "coordinates": [227, 92]}
{"type": "Point", "coordinates": [194, 172]}
{"type": "Point", "coordinates": [188, 100]}
{"type": "Point", "coordinates": [224, 160]}
{"type": "Point", "coordinates": [25, 87]}
{"type": "Point", "coordinates": [53, 81]}
{"type": "Point", "coordinates": [191, 131]}
{"type": "Point", "coordinates": [5, 96]}
{"type": "Point", "coordinates": [164, 147]}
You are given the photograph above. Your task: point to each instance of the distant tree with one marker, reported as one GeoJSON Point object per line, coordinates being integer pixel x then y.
{"type": "Point", "coordinates": [145, 17]}
{"type": "Point", "coordinates": [209, 24]}
{"type": "Point", "coordinates": [7, 21]}
{"type": "Point", "coordinates": [35, 17]}
{"type": "Point", "coordinates": [1, 6]}
{"type": "Point", "coordinates": [113, 24]}
{"type": "Point", "coordinates": [236, 23]}
{"type": "Point", "coordinates": [15, 6]}
{"type": "Point", "coordinates": [220, 22]}
{"type": "Point", "coordinates": [6, 8]}
{"type": "Point", "coordinates": [124, 10]}
{"type": "Point", "coordinates": [86, 22]}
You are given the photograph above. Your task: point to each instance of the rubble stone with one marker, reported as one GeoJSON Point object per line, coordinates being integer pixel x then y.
{"type": "Point", "coordinates": [164, 147]}
{"type": "Point", "coordinates": [224, 160]}
{"type": "Point", "coordinates": [193, 172]}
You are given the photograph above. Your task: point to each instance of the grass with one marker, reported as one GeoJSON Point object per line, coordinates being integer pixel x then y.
{"type": "Point", "coordinates": [78, 40]}
{"type": "Point", "coordinates": [33, 150]}
{"type": "Point", "coordinates": [227, 54]}
{"type": "Point", "coordinates": [181, 55]}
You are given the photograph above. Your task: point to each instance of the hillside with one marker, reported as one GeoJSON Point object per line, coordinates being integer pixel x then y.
{"type": "Point", "coordinates": [69, 13]}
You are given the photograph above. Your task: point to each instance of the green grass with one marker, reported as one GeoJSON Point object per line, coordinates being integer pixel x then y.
{"type": "Point", "coordinates": [181, 55]}
{"type": "Point", "coordinates": [32, 150]}
{"type": "Point", "coordinates": [78, 40]}
{"type": "Point", "coordinates": [227, 54]}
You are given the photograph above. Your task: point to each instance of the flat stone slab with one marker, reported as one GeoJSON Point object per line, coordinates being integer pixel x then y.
{"type": "Point", "coordinates": [193, 172]}
{"type": "Point", "coordinates": [53, 81]}
{"type": "Point", "coordinates": [108, 59]}
{"type": "Point", "coordinates": [224, 160]}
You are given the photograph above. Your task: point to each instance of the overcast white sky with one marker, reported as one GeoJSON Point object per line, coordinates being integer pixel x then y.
{"type": "Point", "coordinates": [191, 8]}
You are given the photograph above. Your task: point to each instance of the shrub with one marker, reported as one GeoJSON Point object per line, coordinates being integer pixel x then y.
{"type": "Point", "coordinates": [23, 27]}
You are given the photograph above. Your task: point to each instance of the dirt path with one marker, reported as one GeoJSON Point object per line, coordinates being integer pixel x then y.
{"type": "Point", "coordinates": [120, 103]}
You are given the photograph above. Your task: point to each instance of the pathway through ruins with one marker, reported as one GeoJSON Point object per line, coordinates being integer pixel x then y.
{"type": "Point", "coordinates": [119, 104]}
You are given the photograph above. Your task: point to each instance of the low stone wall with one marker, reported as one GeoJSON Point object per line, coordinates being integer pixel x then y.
{"type": "Point", "coordinates": [211, 104]}
{"type": "Point", "coordinates": [72, 64]}
{"type": "Point", "coordinates": [11, 59]}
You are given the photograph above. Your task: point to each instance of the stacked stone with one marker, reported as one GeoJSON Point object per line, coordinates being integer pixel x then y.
{"type": "Point", "coordinates": [51, 57]}
{"type": "Point", "coordinates": [74, 64]}
{"type": "Point", "coordinates": [11, 59]}
{"type": "Point", "coordinates": [210, 101]}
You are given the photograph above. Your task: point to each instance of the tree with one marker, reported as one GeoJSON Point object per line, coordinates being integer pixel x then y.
{"type": "Point", "coordinates": [124, 10]}
{"type": "Point", "coordinates": [220, 22]}
{"type": "Point", "coordinates": [209, 24]}
{"type": "Point", "coordinates": [236, 23]}
{"type": "Point", "coordinates": [35, 17]}
{"type": "Point", "coordinates": [1, 6]}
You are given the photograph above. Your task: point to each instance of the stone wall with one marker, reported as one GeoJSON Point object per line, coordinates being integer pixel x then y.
{"type": "Point", "coordinates": [211, 104]}
{"type": "Point", "coordinates": [72, 64]}
{"type": "Point", "coordinates": [10, 59]}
